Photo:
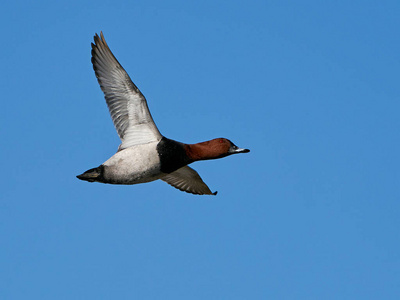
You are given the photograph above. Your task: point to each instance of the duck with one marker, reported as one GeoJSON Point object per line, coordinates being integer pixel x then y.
{"type": "Point", "coordinates": [144, 154]}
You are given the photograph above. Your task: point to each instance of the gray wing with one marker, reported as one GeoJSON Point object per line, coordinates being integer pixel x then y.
{"type": "Point", "coordinates": [188, 180]}
{"type": "Point", "coordinates": [127, 105]}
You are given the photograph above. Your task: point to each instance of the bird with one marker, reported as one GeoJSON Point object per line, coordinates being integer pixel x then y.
{"type": "Point", "coordinates": [144, 154]}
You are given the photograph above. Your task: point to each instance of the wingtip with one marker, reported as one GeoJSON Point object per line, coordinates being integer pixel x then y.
{"type": "Point", "coordinates": [215, 193]}
{"type": "Point", "coordinates": [98, 38]}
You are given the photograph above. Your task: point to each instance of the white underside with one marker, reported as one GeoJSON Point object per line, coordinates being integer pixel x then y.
{"type": "Point", "coordinates": [137, 164]}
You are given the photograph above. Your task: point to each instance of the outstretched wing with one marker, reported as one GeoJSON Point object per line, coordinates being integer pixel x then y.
{"type": "Point", "coordinates": [188, 180]}
{"type": "Point", "coordinates": [127, 105]}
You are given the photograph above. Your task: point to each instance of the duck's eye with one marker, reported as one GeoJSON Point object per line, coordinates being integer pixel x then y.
{"type": "Point", "coordinates": [221, 141]}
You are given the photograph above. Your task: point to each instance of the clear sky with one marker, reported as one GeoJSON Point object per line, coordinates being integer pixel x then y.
{"type": "Point", "coordinates": [312, 212]}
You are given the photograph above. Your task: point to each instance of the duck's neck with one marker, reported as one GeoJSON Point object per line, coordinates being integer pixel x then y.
{"type": "Point", "coordinates": [195, 151]}
{"type": "Point", "coordinates": [174, 155]}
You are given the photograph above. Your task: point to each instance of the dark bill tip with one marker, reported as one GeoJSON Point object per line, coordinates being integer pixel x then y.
{"type": "Point", "coordinates": [240, 150]}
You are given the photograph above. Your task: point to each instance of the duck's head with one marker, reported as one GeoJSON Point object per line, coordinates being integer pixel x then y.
{"type": "Point", "coordinates": [213, 149]}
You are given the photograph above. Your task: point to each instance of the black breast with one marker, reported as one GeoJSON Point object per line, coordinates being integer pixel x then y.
{"type": "Point", "coordinates": [172, 155]}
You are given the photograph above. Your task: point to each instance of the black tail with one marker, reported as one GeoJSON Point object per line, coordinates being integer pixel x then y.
{"type": "Point", "coordinates": [92, 175]}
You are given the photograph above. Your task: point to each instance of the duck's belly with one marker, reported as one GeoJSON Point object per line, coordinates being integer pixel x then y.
{"type": "Point", "coordinates": [133, 165]}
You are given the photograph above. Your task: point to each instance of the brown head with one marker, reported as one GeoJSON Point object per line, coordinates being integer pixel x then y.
{"type": "Point", "coordinates": [216, 148]}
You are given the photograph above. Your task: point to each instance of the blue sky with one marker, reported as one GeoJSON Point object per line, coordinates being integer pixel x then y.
{"type": "Point", "coordinates": [312, 212]}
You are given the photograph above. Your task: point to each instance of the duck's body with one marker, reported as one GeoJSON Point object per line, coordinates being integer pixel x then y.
{"type": "Point", "coordinates": [137, 164]}
{"type": "Point", "coordinates": [144, 154]}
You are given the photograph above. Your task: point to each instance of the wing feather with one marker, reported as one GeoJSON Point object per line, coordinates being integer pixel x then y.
{"type": "Point", "coordinates": [127, 105]}
{"type": "Point", "coordinates": [188, 180]}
